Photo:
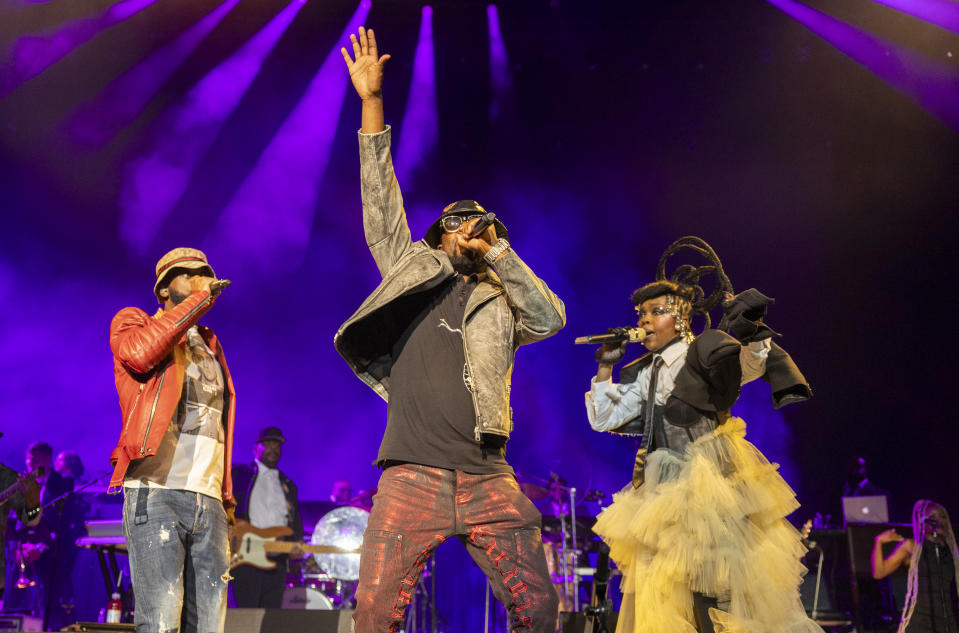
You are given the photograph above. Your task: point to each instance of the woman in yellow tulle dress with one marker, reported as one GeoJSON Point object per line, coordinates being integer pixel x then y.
{"type": "Point", "coordinates": [700, 535]}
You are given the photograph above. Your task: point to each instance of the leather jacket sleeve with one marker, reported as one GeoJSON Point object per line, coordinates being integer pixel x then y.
{"type": "Point", "coordinates": [539, 312]}
{"type": "Point", "coordinates": [384, 219]}
{"type": "Point", "coordinates": [140, 342]}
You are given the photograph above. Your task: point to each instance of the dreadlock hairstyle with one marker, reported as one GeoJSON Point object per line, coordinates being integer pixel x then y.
{"type": "Point", "coordinates": [685, 296]}
{"type": "Point", "coordinates": [921, 528]}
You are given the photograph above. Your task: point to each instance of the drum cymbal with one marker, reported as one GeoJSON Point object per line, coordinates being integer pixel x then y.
{"type": "Point", "coordinates": [535, 492]}
{"type": "Point", "coordinates": [363, 499]}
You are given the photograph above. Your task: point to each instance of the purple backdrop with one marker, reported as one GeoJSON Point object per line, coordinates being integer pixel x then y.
{"type": "Point", "coordinates": [781, 132]}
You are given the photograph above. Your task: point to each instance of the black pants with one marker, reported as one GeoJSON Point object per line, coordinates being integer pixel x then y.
{"type": "Point", "coordinates": [701, 606]}
{"type": "Point", "coordinates": [259, 588]}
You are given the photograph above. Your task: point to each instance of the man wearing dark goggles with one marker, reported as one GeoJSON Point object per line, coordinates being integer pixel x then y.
{"type": "Point", "coordinates": [437, 339]}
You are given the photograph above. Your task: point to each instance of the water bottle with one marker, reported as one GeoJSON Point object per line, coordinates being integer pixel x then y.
{"type": "Point", "coordinates": [114, 609]}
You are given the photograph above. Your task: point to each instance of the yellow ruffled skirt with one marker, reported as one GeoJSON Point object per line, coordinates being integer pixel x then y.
{"type": "Point", "coordinates": [709, 521]}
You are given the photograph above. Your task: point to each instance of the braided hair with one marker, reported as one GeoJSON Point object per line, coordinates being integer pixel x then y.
{"type": "Point", "coordinates": [684, 293]}
{"type": "Point", "coordinates": [920, 530]}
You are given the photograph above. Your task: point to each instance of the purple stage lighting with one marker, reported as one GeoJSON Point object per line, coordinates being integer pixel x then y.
{"type": "Point", "coordinates": [500, 78]}
{"type": "Point", "coordinates": [942, 13]}
{"type": "Point", "coordinates": [267, 223]}
{"type": "Point", "coordinates": [932, 85]}
{"type": "Point", "coordinates": [155, 182]}
{"type": "Point", "coordinates": [420, 128]}
{"type": "Point", "coordinates": [33, 54]}
{"type": "Point", "coordinates": [94, 123]}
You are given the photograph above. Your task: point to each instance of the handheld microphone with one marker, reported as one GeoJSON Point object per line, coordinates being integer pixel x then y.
{"type": "Point", "coordinates": [631, 334]}
{"type": "Point", "coordinates": [481, 225]}
{"type": "Point", "coordinates": [219, 285]}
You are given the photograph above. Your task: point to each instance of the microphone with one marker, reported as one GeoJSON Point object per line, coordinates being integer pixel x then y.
{"type": "Point", "coordinates": [481, 225]}
{"type": "Point", "coordinates": [631, 334]}
{"type": "Point", "coordinates": [219, 285]}
{"type": "Point", "coordinates": [594, 495]}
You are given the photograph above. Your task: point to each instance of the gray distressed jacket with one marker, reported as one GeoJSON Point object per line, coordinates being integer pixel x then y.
{"type": "Point", "coordinates": [509, 307]}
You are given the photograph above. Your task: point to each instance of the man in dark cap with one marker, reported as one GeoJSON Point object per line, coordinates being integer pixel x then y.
{"type": "Point", "coordinates": [266, 498]}
{"type": "Point", "coordinates": [174, 454]}
{"type": "Point", "coordinates": [436, 339]}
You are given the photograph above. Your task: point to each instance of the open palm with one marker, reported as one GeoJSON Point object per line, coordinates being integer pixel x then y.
{"type": "Point", "coordinates": [366, 67]}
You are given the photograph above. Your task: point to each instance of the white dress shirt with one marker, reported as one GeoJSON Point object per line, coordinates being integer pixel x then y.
{"type": "Point", "coordinates": [267, 501]}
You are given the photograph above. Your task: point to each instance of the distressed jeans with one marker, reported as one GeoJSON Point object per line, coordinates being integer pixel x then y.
{"type": "Point", "coordinates": [179, 560]}
{"type": "Point", "coordinates": [417, 508]}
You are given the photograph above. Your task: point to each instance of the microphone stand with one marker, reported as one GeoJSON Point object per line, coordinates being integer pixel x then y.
{"type": "Point", "coordinates": [573, 541]}
{"type": "Point", "coordinates": [600, 605]}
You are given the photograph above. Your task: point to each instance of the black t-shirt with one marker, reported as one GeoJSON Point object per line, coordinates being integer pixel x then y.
{"type": "Point", "coordinates": [431, 419]}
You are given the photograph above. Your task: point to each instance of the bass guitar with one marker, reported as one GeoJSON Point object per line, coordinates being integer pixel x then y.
{"type": "Point", "coordinates": [251, 545]}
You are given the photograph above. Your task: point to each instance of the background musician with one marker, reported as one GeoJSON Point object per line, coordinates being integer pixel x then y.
{"type": "Point", "coordinates": [266, 498]}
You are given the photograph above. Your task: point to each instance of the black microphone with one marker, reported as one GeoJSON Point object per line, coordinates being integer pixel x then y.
{"type": "Point", "coordinates": [481, 225]}
{"type": "Point", "coordinates": [219, 285]}
{"type": "Point", "coordinates": [594, 495]}
{"type": "Point", "coordinates": [615, 335]}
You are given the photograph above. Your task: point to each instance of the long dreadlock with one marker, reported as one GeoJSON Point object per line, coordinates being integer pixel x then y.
{"type": "Point", "coordinates": [921, 528]}
{"type": "Point", "coordinates": [684, 293]}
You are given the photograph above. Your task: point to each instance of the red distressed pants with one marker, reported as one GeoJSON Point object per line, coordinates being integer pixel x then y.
{"type": "Point", "coordinates": [417, 508]}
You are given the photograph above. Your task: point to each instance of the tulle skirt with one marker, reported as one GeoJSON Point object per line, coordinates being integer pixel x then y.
{"type": "Point", "coordinates": [709, 521]}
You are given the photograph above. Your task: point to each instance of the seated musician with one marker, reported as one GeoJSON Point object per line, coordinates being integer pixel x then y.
{"type": "Point", "coordinates": [266, 498]}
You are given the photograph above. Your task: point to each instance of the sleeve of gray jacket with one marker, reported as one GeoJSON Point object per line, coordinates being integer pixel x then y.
{"type": "Point", "coordinates": [384, 219]}
{"type": "Point", "coordinates": [539, 312]}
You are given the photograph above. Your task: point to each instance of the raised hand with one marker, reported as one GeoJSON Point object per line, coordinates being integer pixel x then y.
{"type": "Point", "coordinates": [889, 536]}
{"type": "Point", "coordinates": [366, 66]}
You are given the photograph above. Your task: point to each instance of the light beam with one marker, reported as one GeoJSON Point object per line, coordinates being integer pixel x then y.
{"type": "Point", "coordinates": [267, 223]}
{"type": "Point", "coordinates": [155, 182]}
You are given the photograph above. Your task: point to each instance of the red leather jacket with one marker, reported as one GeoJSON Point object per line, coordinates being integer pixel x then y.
{"type": "Point", "coordinates": [149, 362]}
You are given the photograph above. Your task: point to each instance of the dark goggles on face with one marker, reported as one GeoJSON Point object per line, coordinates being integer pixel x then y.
{"type": "Point", "coordinates": [452, 223]}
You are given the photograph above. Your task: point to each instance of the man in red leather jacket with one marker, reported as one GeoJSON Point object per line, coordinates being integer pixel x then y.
{"type": "Point", "coordinates": [173, 458]}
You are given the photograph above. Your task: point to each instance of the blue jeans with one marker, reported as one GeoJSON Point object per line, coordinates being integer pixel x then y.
{"type": "Point", "coordinates": [179, 560]}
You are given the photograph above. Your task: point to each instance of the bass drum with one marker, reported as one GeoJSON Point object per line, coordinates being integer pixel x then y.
{"type": "Point", "coordinates": [306, 597]}
{"type": "Point", "coordinates": [343, 528]}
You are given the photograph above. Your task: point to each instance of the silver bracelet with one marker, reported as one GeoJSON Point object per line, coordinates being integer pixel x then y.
{"type": "Point", "coordinates": [498, 249]}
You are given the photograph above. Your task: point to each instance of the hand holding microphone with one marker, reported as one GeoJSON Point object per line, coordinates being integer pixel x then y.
{"type": "Point", "coordinates": [614, 343]}
{"type": "Point", "coordinates": [481, 225]}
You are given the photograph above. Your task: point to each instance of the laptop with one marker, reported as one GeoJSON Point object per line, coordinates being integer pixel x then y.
{"type": "Point", "coordinates": [871, 509]}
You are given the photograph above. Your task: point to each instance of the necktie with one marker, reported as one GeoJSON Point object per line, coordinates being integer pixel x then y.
{"type": "Point", "coordinates": [639, 466]}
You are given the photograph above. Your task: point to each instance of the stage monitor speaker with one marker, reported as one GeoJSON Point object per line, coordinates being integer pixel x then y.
{"type": "Point", "coordinates": [288, 621]}
{"type": "Point", "coordinates": [829, 549]}
{"type": "Point", "coordinates": [20, 622]}
{"type": "Point", "coordinates": [575, 622]}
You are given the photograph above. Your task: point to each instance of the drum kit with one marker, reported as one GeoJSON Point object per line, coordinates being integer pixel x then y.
{"type": "Point", "coordinates": [568, 539]}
